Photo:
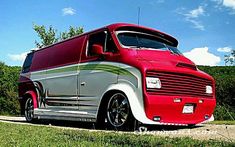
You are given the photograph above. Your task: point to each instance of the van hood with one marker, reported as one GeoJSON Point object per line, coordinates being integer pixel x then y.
{"type": "Point", "coordinates": [164, 59]}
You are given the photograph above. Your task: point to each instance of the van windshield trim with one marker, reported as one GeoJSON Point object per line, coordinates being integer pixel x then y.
{"type": "Point", "coordinates": [156, 41]}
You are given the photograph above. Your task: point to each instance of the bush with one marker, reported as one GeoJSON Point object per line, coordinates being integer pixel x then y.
{"type": "Point", "coordinates": [225, 90]}
{"type": "Point", "coordinates": [9, 106]}
{"type": "Point", "coordinates": [224, 112]}
{"type": "Point", "coordinates": [8, 89]}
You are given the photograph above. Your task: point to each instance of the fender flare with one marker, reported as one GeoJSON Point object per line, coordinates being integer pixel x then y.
{"type": "Point", "coordinates": [136, 101]}
{"type": "Point", "coordinates": [34, 97]}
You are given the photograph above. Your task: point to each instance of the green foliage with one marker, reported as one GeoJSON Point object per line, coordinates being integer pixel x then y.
{"type": "Point", "coordinates": [26, 135]}
{"type": "Point", "coordinates": [8, 89]}
{"type": "Point", "coordinates": [224, 112]}
{"type": "Point", "coordinates": [73, 31]}
{"type": "Point", "coordinates": [230, 59]}
{"type": "Point", "coordinates": [218, 71]}
{"type": "Point", "coordinates": [225, 90]}
{"type": "Point", "coordinates": [49, 36]}
{"type": "Point", "coordinates": [222, 122]}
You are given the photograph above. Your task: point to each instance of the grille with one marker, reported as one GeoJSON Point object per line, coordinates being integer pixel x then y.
{"type": "Point", "coordinates": [180, 84]}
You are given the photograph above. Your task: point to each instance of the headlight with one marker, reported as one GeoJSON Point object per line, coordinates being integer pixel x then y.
{"type": "Point", "coordinates": [153, 82]}
{"type": "Point", "coordinates": [209, 89]}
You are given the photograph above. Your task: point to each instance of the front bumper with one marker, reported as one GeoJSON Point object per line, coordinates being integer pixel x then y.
{"type": "Point", "coordinates": [170, 112]}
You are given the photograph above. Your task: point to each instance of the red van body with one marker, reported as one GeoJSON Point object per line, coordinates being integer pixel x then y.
{"type": "Point", "coordinates": [87, 75]}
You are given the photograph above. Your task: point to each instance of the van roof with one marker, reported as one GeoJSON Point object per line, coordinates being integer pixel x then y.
{"type": "Point", "coordinates": [117, 26]}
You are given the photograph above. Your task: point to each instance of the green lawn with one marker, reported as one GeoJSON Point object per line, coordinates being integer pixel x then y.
{"type": "Point", "coordinates": [26, 135]}
{"type": "Point", "coordinates": [222, 122]}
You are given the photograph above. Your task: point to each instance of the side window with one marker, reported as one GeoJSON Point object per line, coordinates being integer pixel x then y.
{"type": "Point", "coordinates": [104, 39]}
{"type": "Point", "coordinates": [98, 38]}
{"type": "Point", "coordinates": [27, 63]}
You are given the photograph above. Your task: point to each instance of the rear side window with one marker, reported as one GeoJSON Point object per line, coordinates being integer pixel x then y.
{"type": "Point", "coordinates": [27, 63]}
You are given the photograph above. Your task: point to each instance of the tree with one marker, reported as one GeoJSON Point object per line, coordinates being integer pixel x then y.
{"type": "Point", "coordinates": [8, 89]}
{"type": "Point", "coordinates": [230, 59]}
{"type": "Point", "coordinates": [73, 31]}
{"type": "Point", "coordinates": [49, 36]}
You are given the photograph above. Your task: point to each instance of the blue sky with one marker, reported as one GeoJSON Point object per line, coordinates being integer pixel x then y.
{"type": "Point", "coordinates": [204, 28]}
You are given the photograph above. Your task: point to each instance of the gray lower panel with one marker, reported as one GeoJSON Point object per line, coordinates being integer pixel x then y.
{"type": "Point", "coordinates": [83, 119]}
{"type": "Point", "coordinates": [65, 115]}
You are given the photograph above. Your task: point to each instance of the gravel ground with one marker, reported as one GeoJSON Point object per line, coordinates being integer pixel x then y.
{"type": "Point", "coordinates": [201, 131]}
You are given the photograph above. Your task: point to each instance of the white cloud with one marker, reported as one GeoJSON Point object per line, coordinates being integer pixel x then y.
{"type": "Point", "coordinates": [225, 3]}
{"type": "Point", "coordinates": [196, 24]}
{"type": "Point", "coordinates": [68, 11]}
{"type": "Point", "coordinates": [18, 57]}
{"type": "Point", "coordinates": [202, 56]}
{"type": "Point", "coordinates": [224, 49]}
{"type": "Point", "coordinates": [195, 12]}
{"type": "Point", "coordinates": [229, 3]}
{"type": "Point", "coordinates": [192, 16]}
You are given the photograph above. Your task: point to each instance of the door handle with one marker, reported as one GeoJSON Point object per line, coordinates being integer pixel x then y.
{"type": "Point", "coordinates": [83, 83]}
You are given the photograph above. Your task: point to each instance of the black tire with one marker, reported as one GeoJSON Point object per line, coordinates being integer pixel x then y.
{"type": "Point", "coordinates": [118, 113]}
{"type": "Point", "coordinates": [29, 110]}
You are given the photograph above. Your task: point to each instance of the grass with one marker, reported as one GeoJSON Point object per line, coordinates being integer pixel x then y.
{"type": "Point", "coordinates": [26, 135]}
{"type": "Point", "coordinates": [8, 114]}
{"type": "Point", "coordinates": [222, 122]}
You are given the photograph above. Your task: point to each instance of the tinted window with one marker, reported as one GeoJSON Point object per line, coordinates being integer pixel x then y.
{"type": "Point", "coordinates": [144, 41]}
{"type": "Point", "coordinates": [27, 63]}
{"type": "Point", "coordinates": [104, 39]}
{"type": "Point", "coordinates": [99, 39]}
{"type": "Point", "coordinates": [140, 40]}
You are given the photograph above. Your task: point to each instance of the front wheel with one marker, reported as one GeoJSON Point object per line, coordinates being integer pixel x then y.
{"type": "Point", "coordinates": [119, 115]}
{"type": "Point", "coordinates": [29, 110]}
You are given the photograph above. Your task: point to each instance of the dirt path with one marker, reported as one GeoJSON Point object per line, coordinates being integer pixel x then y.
{"type": "Point", "coordinates": [201, 132]}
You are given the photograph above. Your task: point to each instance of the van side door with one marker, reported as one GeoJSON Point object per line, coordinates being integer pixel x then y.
{"type": "Point", "coordinates": [61, 88]}
{"type": "Point", "coordinates": [96, 73]}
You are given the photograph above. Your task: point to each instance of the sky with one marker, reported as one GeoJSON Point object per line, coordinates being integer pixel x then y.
{"type": "Point", "coordinates": [205, 29]}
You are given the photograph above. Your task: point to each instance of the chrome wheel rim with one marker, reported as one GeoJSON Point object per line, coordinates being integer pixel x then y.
{"type": "Point", "coordinates": [29, 109]}
{"type": "Point", "coordinates": [118, 110]}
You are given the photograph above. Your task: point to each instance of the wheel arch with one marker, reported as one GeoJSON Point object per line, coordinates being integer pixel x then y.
{"type": "Point", "coordinates": [28, 94]}
{"type": "Point", "coordinates": [104, 101]}
{"type": "Point", "coordinates": [135, 98]}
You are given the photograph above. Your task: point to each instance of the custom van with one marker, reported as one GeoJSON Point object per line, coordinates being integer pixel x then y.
{"type": "Point", "coordinates": [116, 76]}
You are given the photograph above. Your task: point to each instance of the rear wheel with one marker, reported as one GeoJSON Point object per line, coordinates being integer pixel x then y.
{"type": "Point", "coordinates": [29, 110]}
{"type": "Point", "coordinates": [119, 115]}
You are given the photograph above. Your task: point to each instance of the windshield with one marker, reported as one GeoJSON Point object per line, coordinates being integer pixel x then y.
{"type": "Point", "coordinates": [143, 41]}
